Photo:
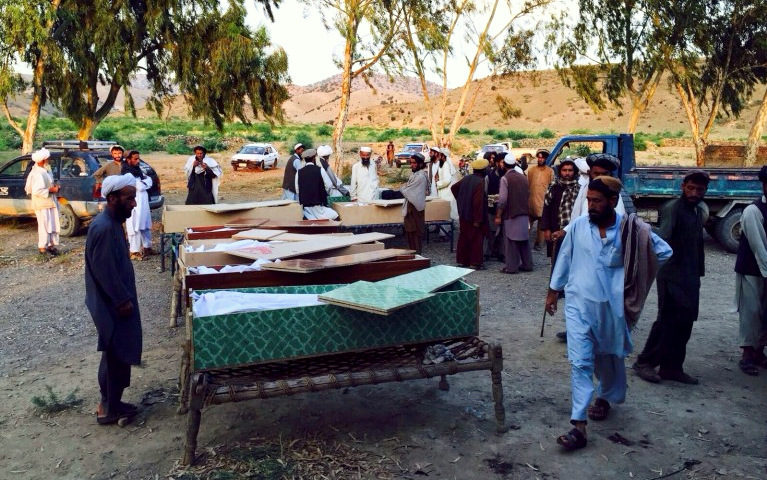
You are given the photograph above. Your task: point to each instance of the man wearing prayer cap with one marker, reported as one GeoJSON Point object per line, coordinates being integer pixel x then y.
{"type": "Point", "coordinates": [681, 225]}
{"type": "Point", "coordinates": [445, 179]}
{"type": "Point", "coordinates": [110, 295]}
{"type": "Point", "coordinates": [750, 274]}
{"type": "Point", "coordinates": [41, 187]}
{"type": "Point", "coordinates": [598, 301]}
{"type": "Point", "coordinates": [203, 176]}
{"type": "Point", "coordinates": [600, 164]}
{"type": "Point", "coordinates": [364, 183]}
{"type": "Point", "coordinates": [511, 215]}
{"type": "Point", "coordinates": [432, 169]}
{"type": "Point", "coordinates": [292, 167]}
{"type": "Point", "coordinates": [470, 195]}
{"type": "Point", "coordinates": [312, 187]}
{"type": "Point", "coordinates": [414, 208]}
{"type": "Point", "coordinates": [324, 152]}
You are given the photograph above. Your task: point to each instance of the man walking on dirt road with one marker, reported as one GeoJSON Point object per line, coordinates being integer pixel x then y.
{"type": "Point", "coordinates": [590, 269]}
{"type": "Point", "coordinates": [681, 225]}
{"type": "Point", "coordinates": [110, 294]}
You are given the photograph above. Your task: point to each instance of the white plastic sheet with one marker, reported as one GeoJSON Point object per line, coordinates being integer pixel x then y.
{"type": "Point", "coordinates": [225, 302]}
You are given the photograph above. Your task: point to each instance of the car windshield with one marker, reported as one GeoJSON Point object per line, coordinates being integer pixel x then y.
{"type": "Point", "coordinates": [413, 147]}
{"type": "Point", "coordinates": [252, 150]}
{"type": "Point", "coordinates": [492, 148]}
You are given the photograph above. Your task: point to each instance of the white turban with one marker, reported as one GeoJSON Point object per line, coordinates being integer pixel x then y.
{"type": "Point", "coordinates": [580, 162]}
{"type": "Point", "coordinates": [41, 155]}
{"type": "Point", "coordinates": [445, 151]}
{"type": "Point", "coordinates": [297, 146]}
{"type": "Point", "coordinates": [435, 148]}
{"type": "Point", "coordinates": [365, 149]}
{"type": "Point", "coordinates": [117, 182]}
{"type": "Point", "coordinates": [509, 159]}
{"type": "Point", "coordinates": [324, 150]}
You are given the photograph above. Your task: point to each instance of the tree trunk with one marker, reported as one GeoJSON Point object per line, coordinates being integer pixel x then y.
{"type": "Point", "coordinates": [688, 102]}
{"type": "Point", "coordinates": [28, 139]}
{"type": "Point", "coordinates": [755, 135]}
{"type": "Point", "coordinates": [87, 126]}
{"type": "Point", "coordinates": [343, 106]}
{"type": "Point", "coordinates": [641, 100]}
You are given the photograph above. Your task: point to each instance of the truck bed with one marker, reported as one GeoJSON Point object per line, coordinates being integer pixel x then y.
{"type": "Point", "coordinates": [726, 183]}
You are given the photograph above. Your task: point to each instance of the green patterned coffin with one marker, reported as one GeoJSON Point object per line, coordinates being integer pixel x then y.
{"type": "Point", "coordinates": [253, 337]}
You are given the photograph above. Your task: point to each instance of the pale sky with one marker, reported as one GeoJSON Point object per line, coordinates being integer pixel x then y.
{"type": "Point", "coordinates": [311, 48]}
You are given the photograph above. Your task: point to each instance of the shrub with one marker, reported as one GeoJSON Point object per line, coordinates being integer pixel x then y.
{"type": "Point", "coordinates": [304, 138]}
{"type": "Point", "coordinates": [491, 132]}
{"type": "Point", "coordinates": [386, 135]}
{"type": "Point", "coordinates": [144, 143]}
{"type": "Point", "coordinates": [407, 132]}
{"type": "Point", "coordinates": [546, 133]}
{"type": "Point", "coordinates": [104, 133]}
{"type": "Point", "coordinates": [517, 135]}
{"type": "Point", "coordinates": [324, 130]}
{"type": "Point", "coordinates": [499, 136]}
{"type": "Point", "coordinates": [464, 131]}
{"type": "Point", "coordinates": [177, 146]}
{"type": "Point", "coordinates": [580, 131]}
{"type": "Point", "coordinates": [214, 144]}
{"type": "Point", "coordinates": [52, 403]}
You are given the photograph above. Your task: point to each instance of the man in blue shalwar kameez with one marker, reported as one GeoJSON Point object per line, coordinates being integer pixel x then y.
{"type": "Point", "coordinates": [590, 269]}
{"type": "Point", "coordinates": [110, 294]}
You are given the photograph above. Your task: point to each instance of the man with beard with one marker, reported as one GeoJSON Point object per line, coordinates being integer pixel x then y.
{"type": "Point", "coordinates": [493, 187]}
{"type": "Point", "coordinates": [471, 198]}
{"type": "Point", "coordinates": [364, 183]}
{"type": "Point", "coordinates": [600, 164]}
{"type": "Point", "coordinates": [312, 187]}
{"type": "Point", "coordinates": [111, 168]}
{"type": "Point", "coordinates": [139, 224]}
{"type": "Point", "coordinates": [512, 216]}
{"type": "Point", "coordinates": [558, 205]}
{"type": "Point", "coordinates": [338, 190]}
{"type": "Point", "coordinates": [41, 187]}
{"type": "Point", "coordinates": [414, 208]}
{"type": "Point", "coordinates": [750, 274]}
{"type": "Point", "coordinates": [203, 177]}
{"type": "Point", "coordinates": [540, 177]}
{"type": "Point", "coordinates": [110, 294]}
{"type": "Point", "coordinates": [590, 269]}
{"type": "Point", "coordinates": [681, 225]}
{"type": "Point", "coordinates": [444, 180]}
{"type": "Point", "coordinates": [433, 169]}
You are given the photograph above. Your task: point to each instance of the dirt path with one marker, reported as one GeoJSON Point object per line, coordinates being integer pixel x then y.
{"type": "Point", "coordinates": [413, 429]}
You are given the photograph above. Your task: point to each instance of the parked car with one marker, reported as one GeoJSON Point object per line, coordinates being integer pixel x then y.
{"type": "Point", "coordinates": [403, 156]}
{"type": "Point", "coordinates": [492, 147]}
{"type": "Point", "coordinates": [255, 155]}
{"type": "Point", "coordinates": [72, 167]}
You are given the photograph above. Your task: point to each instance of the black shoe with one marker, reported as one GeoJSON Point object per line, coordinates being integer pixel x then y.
{"type": "Point", "coordinates": [646, 372]}
{"type": "Point", "coordinates": [680, 377]}
{"type": "Point", "coordinates": [562, 336]}
{"type": "Point", "coordinates": [128, 408]}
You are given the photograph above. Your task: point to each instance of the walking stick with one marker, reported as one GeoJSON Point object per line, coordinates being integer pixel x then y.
{"type": "Point", "coordinates": [553, 250]}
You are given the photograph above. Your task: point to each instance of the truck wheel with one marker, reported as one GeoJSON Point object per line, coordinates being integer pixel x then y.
{"type": "Point", "coordinates": [70, 223]}
{"type": "Point", "coordinates": [727, 230]}
{"type": "Point", "coordinates": [628, 203]}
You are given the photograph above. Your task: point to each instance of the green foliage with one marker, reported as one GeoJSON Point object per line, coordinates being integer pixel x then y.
{"type": "Point", "coordinates": [324, 130]}
{"type": "Point", "coordinates": [386, 135]}
{"type": "Point", "coordinates": [52, 403]}
{"type": "Point", "coordinates": [499, 136]}
{"type": "Point", "coordinates": [104, 133]}
{"type": "Point", "coordinates": [214, 144]}
{"type": "Point", "coordinates": [304, 138]}
{"type": "Point", "coordinates": [464, 131]}
{"type": "Point", "coordinates": [507, 108]}
{"type": "Point", "coordinates": [491, 132]}
{"type": "Point", "coordinates": [580, 131]}
{"type": "Point", "coordinates": [640, 142]}
{"type": "Point", "coordinates": [582, 150]}
{"type": "Point", "coordinates": [546, 133]}
{"type": "Point", "coordinates": [177, 146]}
{"type": "Point", "coordinates": [517, 134]}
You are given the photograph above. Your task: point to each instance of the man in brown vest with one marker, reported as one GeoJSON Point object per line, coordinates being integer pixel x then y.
{"type": "Point", "coordinates": [289, 177]}
{"type": "Point", "coordinates": [512, 214]}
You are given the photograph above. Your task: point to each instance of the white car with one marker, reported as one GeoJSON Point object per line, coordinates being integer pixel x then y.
{"type": "Point", "coordinates": [492, 147]}
{"type": "Point", "coordinates": [255, 155]}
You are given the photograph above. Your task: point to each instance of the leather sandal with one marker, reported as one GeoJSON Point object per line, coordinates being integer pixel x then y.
{"type": "Point", "coordinates": [600, 410]}
{"type": "Point", "coordinates": [572, 440]}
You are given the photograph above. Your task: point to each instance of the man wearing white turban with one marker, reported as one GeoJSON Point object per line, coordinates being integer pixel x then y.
{"type": "Point", "coordinates": [364, 184]}
{"type": "Point", "coordinates": [338, 190]}
{"type": "Point", "coordinates": [41, 187]}
{"type": "Point", "coordinates": [110, 295]}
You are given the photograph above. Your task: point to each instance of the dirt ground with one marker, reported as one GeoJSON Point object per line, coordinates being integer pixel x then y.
{"type": "Point", "coordinates": [404, 430]}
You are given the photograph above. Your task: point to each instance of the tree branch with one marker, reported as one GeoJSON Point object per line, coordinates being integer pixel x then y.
{"type": "Point", "coordinates": [10, 119]}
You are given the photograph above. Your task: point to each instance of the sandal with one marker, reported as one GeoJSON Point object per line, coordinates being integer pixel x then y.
{"type": "Point", "coordinates": [104, 418]}
{"type": "Point", "coordinates": [503, 270]}
{"type": "Point", "coordinates": [599, 410]}
{"type": "Point", "coordinates": [572, 440]}
{"type": "Point", "coordinates": [748, 367]}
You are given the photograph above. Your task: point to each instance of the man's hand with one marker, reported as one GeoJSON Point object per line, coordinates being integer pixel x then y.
{"type": "Point", "coordinates": [551, 302]}
{"type": "Point", "coordinates": [547, 235]}
{"type": "Point", "coordinates": [53, 188]}
{"type": "Point", "coordinates": [498, 220]}
{"type": "Point", "coordinates": [558, 235]}
{"type": "Point", "coordinates": [125, 309]}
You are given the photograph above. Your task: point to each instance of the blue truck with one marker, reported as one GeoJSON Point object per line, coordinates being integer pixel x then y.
{"type": "Point", "coordinates": [646, 189]}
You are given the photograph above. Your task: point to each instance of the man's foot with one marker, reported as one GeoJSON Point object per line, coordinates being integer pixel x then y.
{"type": "Point", "coordinates": [127, 408]}
{"type": "Point", "coordinates": [646, 372]}
{"type": "Point", "coordinates": [477, 267]}
{"type": "Point", "coordinates": [562, 336]}
{"type": "Point", "coordinates": [679, 376]}
{"type": "Point", "coordinates": [135, 256]}
{"type": "Point", "coordinates": [748, 367]}
{"type": "Point", "coordinates": [600, 410]}
{"type": "Point", "coordinates": [148, 252]}
{"type": "Point", "coordinates": [503, 270]}
{"type": "Point", "coordinates": [525, 269]}
{"type": "Point", "coordinates": [572, 440]}
{"type": "Point", "coordinates": [52, 250]}
{"type": "Point", "coordinates": [42, 251]}
{"type": "Point", "coordinates": [105, 418]}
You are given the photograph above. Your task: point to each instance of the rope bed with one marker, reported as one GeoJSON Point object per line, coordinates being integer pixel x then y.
{"type": "Point", "coordinates": [382, 365]}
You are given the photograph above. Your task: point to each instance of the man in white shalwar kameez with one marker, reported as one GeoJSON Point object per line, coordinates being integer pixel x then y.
{"type": "Point", "coordinates": [364, 183]}
{"type": "Point", "coordinates": [139, 224]}
{"type": "Point", "coordinates": [43, 191]}
{"type": "Point", "coordinates": [598, 164]}
{"type": "Point", "coordinates": [445, 179]}
{"type": "Point", "coordinates": [590, 270]}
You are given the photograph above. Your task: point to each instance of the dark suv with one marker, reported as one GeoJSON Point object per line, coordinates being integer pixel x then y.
{"type": "Point", "coordinates": [72, 166]}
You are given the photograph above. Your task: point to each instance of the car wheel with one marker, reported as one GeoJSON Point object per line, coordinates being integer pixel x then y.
{"type": "Point", "coordinates": [235, 167]}
{"type": "Point", "coordinates": [69, 222]}
{"type": "Point", "coordinates": [728, 230]}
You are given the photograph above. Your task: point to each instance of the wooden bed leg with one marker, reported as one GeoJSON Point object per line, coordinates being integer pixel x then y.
{"type": "Point", "coordinates": [496, 367]}
{"type": "Point", "coordinates": [175, 299]}
{"type": "Point", "coordinates": [198, 391]}
{"type": "Point", "coordinates": [183, 381]}
{"type": "Point", "coordinates": [443, 385]}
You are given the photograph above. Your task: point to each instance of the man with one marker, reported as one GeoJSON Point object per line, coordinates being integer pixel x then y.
{"type": "Point", "coordinates": [110, 294]}
{"type": "Point", "coordinates": [203, 176]}
{"type": "Point", "coordinates": [558, 205]}
{"type": "Point", "coordinates": [338, 190]}
{"type": "Point", "coordinates": [540, 177]}
{"type": "Point", "coordinates": [390, 153]}
{"type": "Point", "coordinates": [139, 224]}
{"type": "Point", "coordinates": [115, 167]}
{"type": "Point", "coordinates": [292, 166]}
{"type": "Point", "coordinates": [364, 182]}
{"type": "Point", "coordinates": [750, 274]}
{"type": "Point", "coordinates": [312, 187]}
{"type": "Point", "coordinates": [681, 226]}
{"type": "Point", "coordinates": [414, 208]}
{"type": "Point", "coordinates": [590, 269]}
{"type": "Point", "coordinates": [493, 187]}
{"type": "Point", "coordinates": [44, 202]}
{"type": "Point", "coordinates": [600, 164]}
{"type": "Point", "coordinates": [512, 214]}
{"type": "Point", "coordinates": [471, 198]}
{"type": "Point", "coordinates": [433, 169]}
{"type": "Point", "coordinates": [444, 180]}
